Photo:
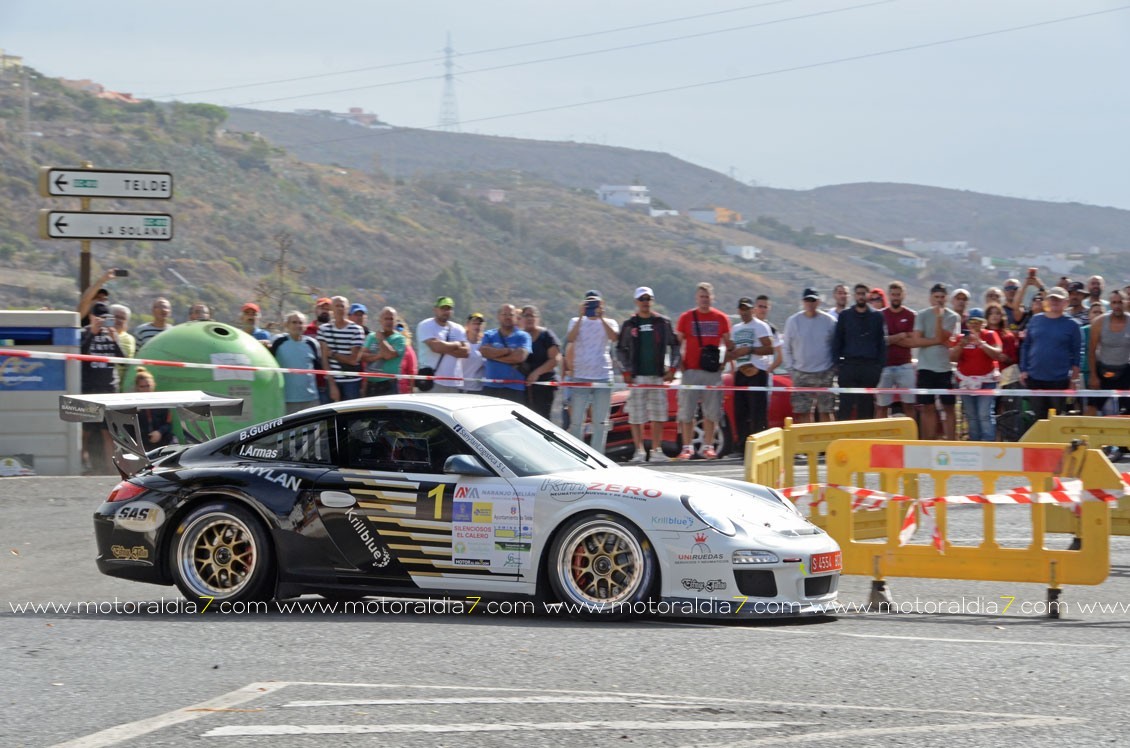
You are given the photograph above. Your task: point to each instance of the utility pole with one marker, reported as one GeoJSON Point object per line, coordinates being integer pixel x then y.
{"type": "Point", "coordinates": [449, 109]}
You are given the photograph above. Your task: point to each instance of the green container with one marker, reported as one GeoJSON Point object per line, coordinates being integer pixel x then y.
{"type": "Point", "coordinates": [216, 343]}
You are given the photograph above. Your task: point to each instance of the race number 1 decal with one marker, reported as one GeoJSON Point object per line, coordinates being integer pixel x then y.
{"type": "Point", "coordinates": [434, 502]}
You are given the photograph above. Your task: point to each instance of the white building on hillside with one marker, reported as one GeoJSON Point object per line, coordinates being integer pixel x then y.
{"type": "Point", "coordinates": [624, 196]}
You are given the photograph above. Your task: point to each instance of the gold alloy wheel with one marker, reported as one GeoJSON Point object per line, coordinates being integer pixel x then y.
{"type": "Point", "coordinates": [601, 562]}
{"type": "Point", "coordinates": [217, 555]}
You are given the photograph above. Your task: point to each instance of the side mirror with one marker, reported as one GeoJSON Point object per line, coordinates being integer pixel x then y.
{"type": "Point", "coordinates": [465, 465]}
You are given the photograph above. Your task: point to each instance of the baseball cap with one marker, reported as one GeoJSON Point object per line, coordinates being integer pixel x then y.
{"type": "Point", "coordinates": [811, 294]}
{"type": "Point", "coordinates": [358, 308]}
{"type": "Point", "coordinates": [593, 294]}
{"type": "Point", "coordinates": [641, 291]}
{"type": "Point", "coordinates": [250, 305]}
{"type": "Point", "coordinates": [959, 291]}
{"type": "Point", "coordinates": [1076, 286]}
{"type": "Point", "coordinates": [744, 302]}
{"type": "Point", "coordinates": [98, 309]}
{"type": "Point", "coordinates": [938, 287]}
{"type": "Point", "coordinates": [443, 301]}
{"type": "Point", "coordinates": [475, 315]}
{"type": "Point", "coordinates": [1057, 293]}
{"type": "Point", "coordinates": [976, 313]}
{"type": "Point", "coordinates": [324, 301]}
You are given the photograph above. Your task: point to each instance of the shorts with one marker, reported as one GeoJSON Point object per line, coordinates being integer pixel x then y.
{"type": "Point", "coordinates": [942, 380]}
{"type": "Point", "coordinates": [901, 377]}
{"type": "Point", "coordinates": [711, 399]}
{"type": "Point", "coordinates": [646, 405]}
{"type": "Point", "coordinates": [802, 401]}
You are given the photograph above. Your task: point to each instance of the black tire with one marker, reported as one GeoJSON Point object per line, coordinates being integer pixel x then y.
{"type": "Point", "coordinates": [1012, 424]}
{"type": "Point", "coordinates": [601, 566]}
{"type": "Point", "coordinates": [220, 552]}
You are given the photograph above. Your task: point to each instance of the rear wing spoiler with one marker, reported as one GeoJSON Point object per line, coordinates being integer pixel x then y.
{"type": "Point", "coordinates": [194, 408]}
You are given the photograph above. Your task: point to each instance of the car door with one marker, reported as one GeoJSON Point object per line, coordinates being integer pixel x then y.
{"type": "Point", "coordinates": [397, 517]}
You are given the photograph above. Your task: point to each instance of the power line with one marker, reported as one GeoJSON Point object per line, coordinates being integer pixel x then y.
{"type": "Point", "coordinates": [573, 55]}
{"type": "Point", "coordinates": [750, 76]}
{"type": "Point", "coordinates": [490, 50]}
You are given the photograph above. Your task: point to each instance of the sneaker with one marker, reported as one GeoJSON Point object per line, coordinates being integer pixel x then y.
{"type": "Point", "coordinates": [708, 453]}
{"type": "Point", "coordinates": [657, 455]}
{"type": "Point", "coordinates": [639, 456]}
{"type": "Point", "coordinates": [686, 454]}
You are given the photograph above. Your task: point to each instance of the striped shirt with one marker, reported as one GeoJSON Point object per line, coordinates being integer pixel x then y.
{"type": "Point", "coordinates": [342, 340]}
{"type": "Point", "coordinates": [146, 332]}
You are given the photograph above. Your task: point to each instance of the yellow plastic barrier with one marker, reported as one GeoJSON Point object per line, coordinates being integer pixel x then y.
{"type": "Point", "coordinates": [770, 460]}
{"type": "Point", "coordinates": [1038, 464]}
{"type": "Point", "coordinates": [765, 458]}
{"type": "Point", "coordinates": [1105, 430]}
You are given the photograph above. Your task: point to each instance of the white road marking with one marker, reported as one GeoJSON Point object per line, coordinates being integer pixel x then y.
{"type": "Point", "coordinates": [131, 730]}
{"type": "Point", "coordinates": [234, 730]}
{"type": "Point", "coordinates": [487, 700]}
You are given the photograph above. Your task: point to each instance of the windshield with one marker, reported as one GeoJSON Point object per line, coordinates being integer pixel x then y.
{"type": "Point", "coordinates": [527, 450]}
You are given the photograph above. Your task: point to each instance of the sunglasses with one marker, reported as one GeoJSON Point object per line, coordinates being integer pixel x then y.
{"type": "Point", "coordinates": [876, 298]}
{"type": "Point", "coordinates": [644, 298]}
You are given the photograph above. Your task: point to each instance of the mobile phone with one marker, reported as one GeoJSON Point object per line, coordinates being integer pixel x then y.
{"type": "Point", "coordinates": [591, 307]}
{"type": "Point", "coordinates": [120, 273]}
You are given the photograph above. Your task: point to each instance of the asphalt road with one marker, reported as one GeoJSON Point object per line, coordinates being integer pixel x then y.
{"type": "Point", "coordinates": [137, 673]}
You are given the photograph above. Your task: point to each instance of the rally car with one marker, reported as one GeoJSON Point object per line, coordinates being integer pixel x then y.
{"type": "Point", "coordinates": [439, 495]}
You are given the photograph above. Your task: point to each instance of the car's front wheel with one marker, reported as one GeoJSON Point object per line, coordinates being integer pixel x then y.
{"type": "Point", "coordinates": [220, 553]}
{"type": "Point", "coordinates": [601, 565]}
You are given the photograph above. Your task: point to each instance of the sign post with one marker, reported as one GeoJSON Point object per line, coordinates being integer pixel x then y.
{"type": "Point", "coordinates": [85, 183]}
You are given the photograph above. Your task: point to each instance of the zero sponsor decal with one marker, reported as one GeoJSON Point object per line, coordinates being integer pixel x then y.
{"type": "Point", "coordinates": [260, 429]}
{"type": "Point", "coordinates": [136, 553]}
{"type": "Point", "coordinates": [380, 554]}
{"type": "Point", "coordinates": [140, 516]}
{"type": "Point", "coordinates": [267, 454]}
{"type": "Point", "coordinates": [563, 490]}
{"type": "Point", "coordinates": [700, 553]}
{"type": "Point", "coordinates": [293, 482]}
{"type": "Point", "coordinates": [636, 492]}
{"type": "Point", "coordinates": [710, 585]}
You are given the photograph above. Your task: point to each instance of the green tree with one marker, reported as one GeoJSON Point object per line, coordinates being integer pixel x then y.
{"type": "Point", "coordinates": [453, 282]}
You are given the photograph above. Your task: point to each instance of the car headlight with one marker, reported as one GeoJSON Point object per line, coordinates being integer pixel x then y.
{"type": "Point", "coordinates": [711, 511]}
{"type": "Point", "coordinates": [754, 557]}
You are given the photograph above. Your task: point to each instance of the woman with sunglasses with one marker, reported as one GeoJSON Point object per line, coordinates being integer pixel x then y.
{"type": "Point", "coordinates": [877, 299]}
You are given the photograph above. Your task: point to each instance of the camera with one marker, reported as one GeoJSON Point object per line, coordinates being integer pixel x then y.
{"type": "Point", "coordinates": [121, 273]}
{"type": "Point", "coordinates": [591, 306]}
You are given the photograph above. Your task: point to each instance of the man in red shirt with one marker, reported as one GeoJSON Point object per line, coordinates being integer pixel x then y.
{"type": "Point", "coordinates": [898, 373]}
{"type": "Point", "coordinates": [702, 332]}
{"type": "Point", "coordinates": [976, 355]}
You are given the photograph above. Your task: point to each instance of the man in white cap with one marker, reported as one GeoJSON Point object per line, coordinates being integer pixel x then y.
{"type": "Point", "coordinates": [649, 354]}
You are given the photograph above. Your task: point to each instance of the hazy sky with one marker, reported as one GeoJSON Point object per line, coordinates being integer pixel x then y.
{"type": "Point", "coordinates": [1040, 112]}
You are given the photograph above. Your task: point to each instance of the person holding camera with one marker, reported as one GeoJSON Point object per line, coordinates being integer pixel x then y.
{"type": "Point", "coordinates": [808, 355]}
{"type": "Point", "coordinates": [590, 334]}
{"type": "Point", "coordinates": [702, 332]}
{"type": "Point", "coordinates": [99, 338]}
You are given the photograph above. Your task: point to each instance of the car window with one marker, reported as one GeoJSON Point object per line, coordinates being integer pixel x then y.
{"type": "Point", "coordinates": [398, 441]}
{"type": "Point", "coordinates": [309, 443]}
{"type": "Point", "coordinates": [527, 452]}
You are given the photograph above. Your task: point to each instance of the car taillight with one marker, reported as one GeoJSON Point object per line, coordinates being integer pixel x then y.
{"type": "Point", "coordinates": [125, 490]}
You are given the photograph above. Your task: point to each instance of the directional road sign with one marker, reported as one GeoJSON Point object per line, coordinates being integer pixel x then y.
{"type": "Point", "coordinates": [150, 185]}
{"type": "Point", "coordinates": [54, 224]}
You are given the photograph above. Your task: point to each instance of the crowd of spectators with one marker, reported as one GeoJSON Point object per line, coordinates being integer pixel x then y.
{"type": "Point", "coordinates": [1023, 334]}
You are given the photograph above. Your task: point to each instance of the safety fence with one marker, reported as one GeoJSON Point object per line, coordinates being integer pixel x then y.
{"type": "Point", "coordinates": [1105, 430]}
{"type": "Point", "coordinates": [1056, 475]}
{"type": "Point", "coordinates": [455, 381]}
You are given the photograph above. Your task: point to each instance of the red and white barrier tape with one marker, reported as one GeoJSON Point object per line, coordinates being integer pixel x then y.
{"type": "Point", "coordinates": [868, 498]}
{"type": "Point", "coordinates": [59, 356]}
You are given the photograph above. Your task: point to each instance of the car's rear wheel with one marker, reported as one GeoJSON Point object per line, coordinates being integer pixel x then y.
{"type": "Point", "coordinates": [601, 565]}
{"type": "Point", "coordinates": [220, 552]}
